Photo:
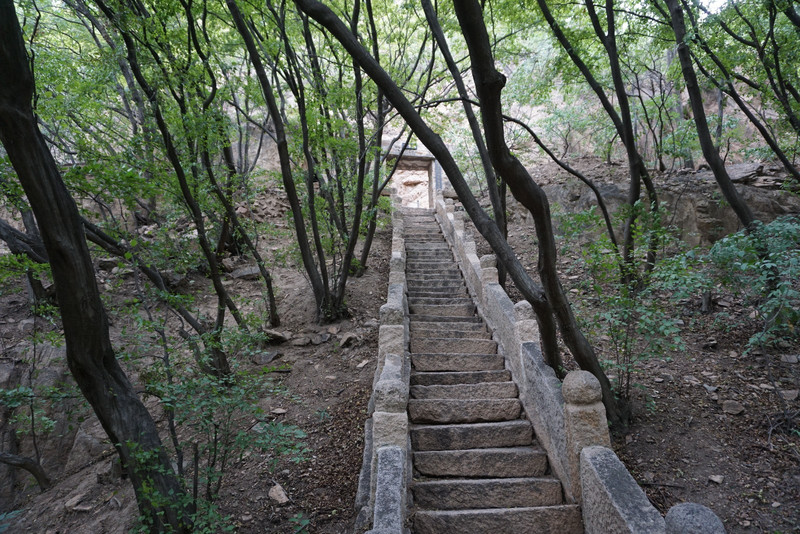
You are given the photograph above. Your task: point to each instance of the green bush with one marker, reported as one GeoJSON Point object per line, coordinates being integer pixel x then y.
{"type": "Point", "coordinates": [763, 267]}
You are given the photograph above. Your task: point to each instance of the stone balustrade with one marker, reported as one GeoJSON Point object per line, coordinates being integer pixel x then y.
{"type": "Point", "coordinates": [569, 419]}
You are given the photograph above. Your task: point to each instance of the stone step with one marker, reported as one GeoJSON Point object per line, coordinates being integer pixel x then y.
{"type": "Point", "coordinates": [430, 264]}
{"type": "Point", "coordinates": [421, 333]}
{"type": "Point", "coordinates": [564, 519]}
{"type": "Point", "coordinates": [453, 310]}
{"type": "Point", "coordinates": [448, 345]}
{"type": "Point", "coordinates": [457, 362]}
{"type": "Point", "coordinates": [422, 279]}
{"type": "Point", "coordinates": [438, 329]}
{"type": "Point", "coordinates": [419, 270]}
{"type": "Point", "coordinates": [448, 411]}
{"type": "Point", "coordinates": [423, 319]}
{"type": "Point", "coordinates": [416, 285]}
{"type": "Point", "coordinates": [505, 462]}
{"type": "Point", "coordinates": [425, 276]}
{"type": "Point", "coordinates": [458, 377]}
{"type": "Point", "coordinates": [486, 390]}
{"type": "Point", "coordinates": [487, 493]}
{"type": "Point", "coordinates": [439, 300]}
{"type": "Point", "coordinates": [422, 247]}
{"type": "Point", "coordinates": [515, 433]}
{"type": "Point", "coordinates": [441, 292]}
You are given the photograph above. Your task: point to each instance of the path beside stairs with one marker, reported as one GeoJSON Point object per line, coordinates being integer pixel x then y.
{"type": "Point", "coordinates": [477, 466]}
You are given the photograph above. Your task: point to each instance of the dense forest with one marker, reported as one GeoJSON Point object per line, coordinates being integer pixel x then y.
{"type": "Point", "coordinates": [145, 134]}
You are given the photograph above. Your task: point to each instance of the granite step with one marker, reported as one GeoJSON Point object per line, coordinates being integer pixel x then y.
{"type": "Point", "coordinates": [421, 333]}
{"type": "Point", "coordinates": [457, 362]}
{"type": "Point", "coordinates": [439, 300]}
{"type": "Point", "coordinates": [464, 494]}
{"type": "Point", "coordinates": [448, 345]}
{"type": "Point", "coordinates": [415, 285]}
{"type": "Point", "coordinates": [455, 292]}
{"type": "Point", "coordinates": [453, 310]}
{"type": "Point", "coordinates": [486, 390]}
{"type": "Point", "coordinates": [423, 319]}
{"type": "Point", "coordinates": [439, 329]}
{"type": "Point", "coordinates": [563, 519]}
{"type": "Point", "coordinates": [459, 377]}
{"type": "Point", "coordinates": [428, 437]}
{"type": "Point", "coordinates": [501, 462]}
{"type": "Point", "coordinates": [449, 411]}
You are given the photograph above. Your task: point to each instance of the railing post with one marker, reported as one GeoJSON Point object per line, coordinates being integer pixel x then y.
{"type": "Point", "coordinates": [584, 419]}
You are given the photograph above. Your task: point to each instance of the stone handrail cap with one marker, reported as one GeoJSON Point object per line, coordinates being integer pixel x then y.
{"type": "Point", "coordinates": [523, 310]}
{"type": "Point", "coordinates": [581, 387]}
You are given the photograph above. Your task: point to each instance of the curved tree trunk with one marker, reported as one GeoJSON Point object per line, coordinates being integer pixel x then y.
{"type": "Point", "coordinates": [489, 84]}
{"type": "Point", "coordinates": [710, 152]}
{"type": "Point", "coordinates": [498, 206]}
{"type": "Point", "coordinates": [534, 293]}
{"type": "Point", "coordinates": [90, 355]}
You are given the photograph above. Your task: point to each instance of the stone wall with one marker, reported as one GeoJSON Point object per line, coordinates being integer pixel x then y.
{"type": "Point", "coordinates": [381, 501]}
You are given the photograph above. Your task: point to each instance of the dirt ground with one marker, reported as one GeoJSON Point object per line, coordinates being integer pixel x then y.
{"type": "Point", "coordinates": [681, 446]}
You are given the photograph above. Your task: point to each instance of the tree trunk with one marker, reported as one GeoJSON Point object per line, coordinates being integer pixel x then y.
{"type": "Point", "coordinates": [741, 209]}
{"type": "Point", "coordinates": [534, 293]}
{"type": "Point", "coordinates": [90, 355]}
{"type": "Point", "coordinates": [489, 84]}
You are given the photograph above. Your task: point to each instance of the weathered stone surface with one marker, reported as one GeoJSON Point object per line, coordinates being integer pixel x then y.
{"type": "Point", "coordinates": [457, 362]}
{"type": "Point", "coordinates": [732, 407]}
{"type": "Point", "coordinates": [439, 301]}
{"type": "Point", "coordinates": [446, 345]}
{"type": "Point", "coordinates": [491, 390]}
{"type": "Point", "coordinates": [565, 519]}
{"type": "Point", "coordinates": [487, 493]}
{"type": "Point", "coordinates": [389, 428]}
{"type": "Point", "coordinates": [454, 310]}
{"type": "Point", "coordinates": [692, 518]}
{"type": "Point", "coordinates": [420, 333]}
{"type": "Point", "coordinates": [459, 377]}
{"type": "Point", "coordinates": [581, 387]}
{"type": "Point", "coordinates": [246, 273]}
{"type": "Point", "coordinates": [391, 340]}
{"type": "Point", "coordinates": [612, 500]}
{"type": "Point", "coordinates": [584, 420]}
{"type": "Point", "coordinates": [496, 462]}
{"type": "Point", "coordinates": [264, 357]}
{"type": "Point", "coordinates": [433, 319]}
{"type": "Point", "coordinates": [471, 436]}
{"type": "Point", "coordinates": [390, 502]}
{"type": "Point", "coordinates": [417, 284]}
{"type": "Point", "coordinates": [463, 411]}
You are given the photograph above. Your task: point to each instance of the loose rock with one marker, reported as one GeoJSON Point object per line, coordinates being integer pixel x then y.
{"type": "Point", "coordinates": [277, 494]}
{"type": "Point", "coordinates": [732, 407]}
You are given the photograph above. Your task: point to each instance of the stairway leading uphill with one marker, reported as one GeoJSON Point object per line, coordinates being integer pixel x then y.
{"type": "Point", "coordinates": [477, 466]}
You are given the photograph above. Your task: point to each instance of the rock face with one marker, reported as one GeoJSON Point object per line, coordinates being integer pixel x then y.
{"type": "Point", "coordinates": [66, 448]}
{"type": "Point", "coordinates": [693, 199]}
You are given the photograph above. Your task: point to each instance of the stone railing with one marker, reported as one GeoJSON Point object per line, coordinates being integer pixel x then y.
{"type": "Point", "coordinates": [569, 419]}
{"type": "Point", "coordinates": [381, 501]}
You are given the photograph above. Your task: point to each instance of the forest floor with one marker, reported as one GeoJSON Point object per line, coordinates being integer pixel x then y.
{"type": "Point", "coordinates": [682, 444]}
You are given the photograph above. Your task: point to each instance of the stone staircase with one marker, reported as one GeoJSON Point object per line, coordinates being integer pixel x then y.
{"type": "Point", "coordinates": [477, 466]}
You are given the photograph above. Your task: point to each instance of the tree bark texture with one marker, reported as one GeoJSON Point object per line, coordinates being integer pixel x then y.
{"type": "Point", "coordinates": [489, 84]}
